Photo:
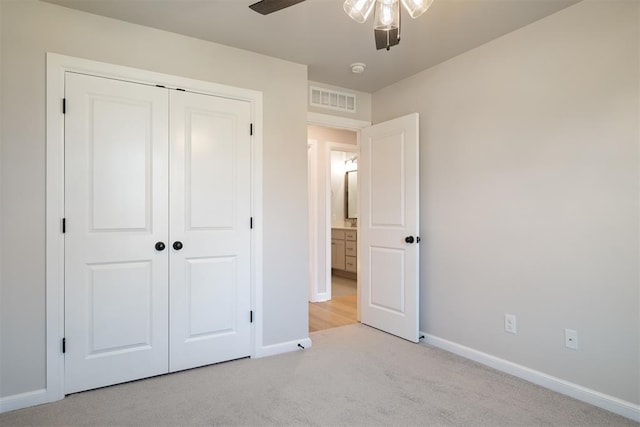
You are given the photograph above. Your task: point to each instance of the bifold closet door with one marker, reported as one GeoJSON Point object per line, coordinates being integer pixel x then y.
{"type": "Point", "coordinates": [210, 209]}
{"type": "Point", "coordinates": [116, 197]}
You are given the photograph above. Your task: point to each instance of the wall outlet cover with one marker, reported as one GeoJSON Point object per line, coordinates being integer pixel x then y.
{"type": "Point", "coordinates": [510, 323]}
{"type": "Point", "coordinates": [571, 339]}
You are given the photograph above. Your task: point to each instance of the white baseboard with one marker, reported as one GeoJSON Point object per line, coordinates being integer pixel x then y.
{"type": "Point", "coordinates": [284, 347]}
{"type": "Point", "coordinates": [321, 297]}
{"type": "Point", "coordinates": [24, 400]}
{"type": "Point", "coordinates": [601, 400]}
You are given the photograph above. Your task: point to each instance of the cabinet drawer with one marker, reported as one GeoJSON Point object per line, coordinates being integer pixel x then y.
{"type": "Point", "coordinates": [351, 235]}
{"type": "Point", "coordinates": [337, 234]}
{"type": "Point", "coordinates": [351, 264]}
{"type": "Point", "coordinates": [351, 248]}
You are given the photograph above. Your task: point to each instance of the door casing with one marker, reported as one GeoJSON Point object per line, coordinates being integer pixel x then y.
{"type": "Point", "coordinates": [316, 226]}
{"type": "Point", "coordinates": [57, 66]}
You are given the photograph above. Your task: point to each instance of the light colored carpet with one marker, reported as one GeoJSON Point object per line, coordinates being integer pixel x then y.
{"type": "Point", "coordinates": [341, 286]}
{"type": "Point", "coordinates": [353, 375]}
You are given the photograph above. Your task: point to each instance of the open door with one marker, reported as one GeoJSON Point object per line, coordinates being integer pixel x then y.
{"type": "Point", "coordinates": [389, 224]}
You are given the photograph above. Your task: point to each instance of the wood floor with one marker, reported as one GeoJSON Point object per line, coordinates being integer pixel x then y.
{"type": "Point", "coordinates": [339, 311]}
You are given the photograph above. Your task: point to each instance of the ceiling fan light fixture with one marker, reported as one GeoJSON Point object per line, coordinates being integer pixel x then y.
{"type": "Point", "coordinates": [386, 20]}
{"type": "Point", "coordinates": [358, 10]}
{"type": "Point", "coordinates": [416, 7]}
{"type": "Point", "coordinates": [387, 15]}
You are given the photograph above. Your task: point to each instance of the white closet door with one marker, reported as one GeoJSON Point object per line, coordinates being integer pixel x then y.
{"type": "Point", "coordinates": [210, 230]}
{"type": "Point", "coordinates": [116, 148]}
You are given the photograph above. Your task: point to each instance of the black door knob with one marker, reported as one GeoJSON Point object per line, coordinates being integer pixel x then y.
{"type": "Point", "coordinates": [408, 239]}
{"type": "Point", "coordinates": [177, 245]}
{"type": "Point", "coordinates": [160, 246]}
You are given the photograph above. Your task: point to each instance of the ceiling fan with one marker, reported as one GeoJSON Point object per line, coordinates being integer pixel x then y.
{"type": "Point", "coordinates": [387, 15]}
{"type": "Point", "coordinates": [266, 7]}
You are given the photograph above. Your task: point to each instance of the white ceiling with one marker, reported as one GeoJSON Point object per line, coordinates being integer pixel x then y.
{"type": "Point", "coordinates": [318, 32]}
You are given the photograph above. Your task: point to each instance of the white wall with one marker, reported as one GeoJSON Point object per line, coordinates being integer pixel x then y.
{"type": "Point", "coordinates": [529, 194]}
{"type": "Point", "coordinates": [2, 319]}
{"type": "Point", "coordinates": [31, 28]}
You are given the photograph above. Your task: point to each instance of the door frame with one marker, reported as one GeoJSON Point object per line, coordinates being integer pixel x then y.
{"type": "Point", "coordinates": [56, 67]}
{"type": "Point", "coordinates": [317, 227]}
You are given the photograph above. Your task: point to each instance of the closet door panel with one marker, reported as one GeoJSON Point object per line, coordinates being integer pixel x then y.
{"type": "Point", "coordinates": [116, 196]}
{"type": "Point", "coordinates": [210, 280]}
{"type": "Point", "coordinates": [210, 184]}
{"type": "Point", "coordinates": [210, 212]}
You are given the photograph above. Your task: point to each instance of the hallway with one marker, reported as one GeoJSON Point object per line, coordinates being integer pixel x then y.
{"type": "Point", "coordinates": [341, 310]}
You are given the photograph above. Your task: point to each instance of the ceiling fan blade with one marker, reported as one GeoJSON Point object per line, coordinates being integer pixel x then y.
{"type": "Point", "coordinates": [386, 39]}
{"type": "Point", "coordinates": [266, 7]}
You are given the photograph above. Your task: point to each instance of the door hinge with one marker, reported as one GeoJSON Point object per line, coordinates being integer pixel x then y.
{"type": "Point", "coordinates": [64, 225]}
{"type": "Point", "coordinates": [64, 105]}
{"type": "Point", "coordinates": [251, 316]}
{"type": "Point", "coordinates": [251, 222]}
{"type": "Point", "coordinates": [161, 86]}
{"type": "Point", "coordinates": [64, 345]}
{"type": "Point", "coordinates": [251, 129]}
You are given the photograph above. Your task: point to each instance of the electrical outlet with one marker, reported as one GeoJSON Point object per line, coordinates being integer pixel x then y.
{"type": "Point", "coordinates": [571, 339]}
{"type": "Point", "coordinates": [510, 323]}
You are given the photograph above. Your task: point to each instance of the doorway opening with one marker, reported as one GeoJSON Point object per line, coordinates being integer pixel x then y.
{"type": "Point", "coordinates": [388, 222]}
{"type": "Point", "coordinates": [333, 221]}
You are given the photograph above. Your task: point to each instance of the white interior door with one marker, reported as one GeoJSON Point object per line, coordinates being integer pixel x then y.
{"type": "Point", "coordinates": [210, 209]}
{"type": "Point", "coordinates": [116, 196]}
{"type": "Point", "coordinates": [388, 226]}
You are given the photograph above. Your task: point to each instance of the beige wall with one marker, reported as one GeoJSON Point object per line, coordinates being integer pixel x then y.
{"type": "Point", "coordinates": [529, 194]}
{"type": "Point", "coordinates": [363, 103]}
{"type": "Point", "coordinates": [327, 135]}
{"type": "Point", "coordinates": [31, 28]}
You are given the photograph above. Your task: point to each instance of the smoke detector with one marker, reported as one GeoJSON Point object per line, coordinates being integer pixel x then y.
{"type": "Point", "coordinates": [358, 67]}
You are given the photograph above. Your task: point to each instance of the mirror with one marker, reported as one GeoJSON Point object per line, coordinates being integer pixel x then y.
{"type": "Point", "coordinates": [351, 194]}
